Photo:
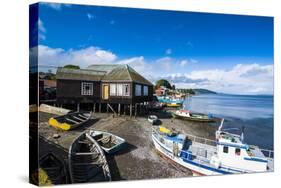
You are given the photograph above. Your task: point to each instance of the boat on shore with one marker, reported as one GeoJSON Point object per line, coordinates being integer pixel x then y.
{"type": "Point", "coordinates": [87, 162]}
{"type": "Point", "coordinates": [152, 119]}
{"type": "Point", "coordinates": [51, 171]}
{"type": "Point", "coordinates": [227, 155]}
{"type": "Point", "coordinates": [70, 121]}
{"type": "Point", "coordinates": [188, 115]}
{"type": "Point", "coordinates": [170, 101]}
{"type": "Point", "coordinates": [109, 142]}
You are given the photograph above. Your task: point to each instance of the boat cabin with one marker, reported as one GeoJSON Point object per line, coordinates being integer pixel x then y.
{"type": "Point", "coordinates": [232, 151]}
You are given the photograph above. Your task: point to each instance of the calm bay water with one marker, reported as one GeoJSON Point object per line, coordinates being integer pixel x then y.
{"type": "Point", "coordinates": [255, 113]}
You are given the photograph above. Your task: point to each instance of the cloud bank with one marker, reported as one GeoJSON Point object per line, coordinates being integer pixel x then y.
{"type": "Point", "coordinates": [239, 79]}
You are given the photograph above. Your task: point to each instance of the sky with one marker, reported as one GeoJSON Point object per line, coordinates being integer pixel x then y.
{"type": "Point", "coordinates": [220, 52]}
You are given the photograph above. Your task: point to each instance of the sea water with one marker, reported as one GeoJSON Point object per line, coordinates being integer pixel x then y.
{"type": "Point", "coordinates": [254, 112]}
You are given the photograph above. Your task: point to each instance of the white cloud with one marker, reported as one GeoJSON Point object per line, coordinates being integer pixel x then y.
{"type": "Point", "coordinates": [90, 16]}
{"type": "Point", "coordinates": [56, 6]}
{"type": "Point", "coordinates": [41, 30]}
{"type": "Point", "coordinates": [168, 51]}
{"type": "Point", "coordinates": [239, 79]}
{"type": "Point", "coordinates": [81, 57]}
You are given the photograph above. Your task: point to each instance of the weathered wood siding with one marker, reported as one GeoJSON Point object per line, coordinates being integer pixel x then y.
{"type": "Point", "coordinates": [69, 91]}
{"type": "Point", "coordinates": [142, 98]}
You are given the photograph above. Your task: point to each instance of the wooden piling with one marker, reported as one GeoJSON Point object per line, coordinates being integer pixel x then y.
{"type": "Point", "coordinates": [124, 109]}
{"type": "Point", "coordinates": [136, 109]}
{"type": "Point", "coordinates": [78, 107]}
{"type": "Point", "coordinates": [131, 109]}
{"type": "Point", "coordinates": [119, 109]}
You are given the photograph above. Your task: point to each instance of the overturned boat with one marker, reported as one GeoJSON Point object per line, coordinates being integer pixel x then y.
{"type": "Point", "coordinates": [109, 142]}
{"type": "Point", "coordinates": [188, 115]}
{"type": "Point", "coordinates": [70, 121]}
{"type": "Point", "coordinates": [227, 155]}
{"type": "Point", "coordinates": [87, 162]}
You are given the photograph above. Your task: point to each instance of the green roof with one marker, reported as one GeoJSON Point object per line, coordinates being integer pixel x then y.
{"type": "Point", "coordinates": [124, 72]}
{"type": "Point", "coordinates": [78, 74]}
{"type": "Point", "coordinates": [103, 72]}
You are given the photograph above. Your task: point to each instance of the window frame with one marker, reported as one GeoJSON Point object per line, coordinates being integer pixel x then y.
{"type": "Point", "coordinates": [145, 90]}
{"type": "Point", "coordinates": [90, 91]}
{"type": "Point", "coordinates": [225, 149]}
{"type": "Point", "coordinates": [138, 87]}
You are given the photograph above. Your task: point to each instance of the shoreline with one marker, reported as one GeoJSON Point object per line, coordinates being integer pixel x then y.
{"type": "Point", "coordinates": [138, 159]}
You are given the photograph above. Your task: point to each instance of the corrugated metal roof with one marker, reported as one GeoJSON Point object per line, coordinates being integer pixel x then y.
{"type": "Point", "coordinates": [124, 72]}
{"type": "Point", "coordinates": [104, 72]}
{"type": "Point", "coordinates": [103, 67]}
{"type": "Point", "coordinates": [79, 74]}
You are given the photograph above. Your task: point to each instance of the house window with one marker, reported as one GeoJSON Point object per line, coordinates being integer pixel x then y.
{"type": "Point", "coordinates": [145, 90]}
{"type": "Point", "coordinates": [237, 151]}
{"type": "Point", "coordinates": [137, 90]}
{"type": "Point", "coordinates": [86, 88]}
{"type": "Point", "coordinates": [119, 89]}
{"type": "Point", "coordinates": [126, 90]}
{"type": "Point", "coordinates": [113, 90]}
{"type": "Point", "coordinates": [225, 149]}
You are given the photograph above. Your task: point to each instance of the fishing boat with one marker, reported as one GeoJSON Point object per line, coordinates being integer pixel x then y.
{"type": "Point", "coordinates": [227, 155]}
{"type": "Point", "coordinates": [51, 170]}
{"type": "Point", "coordinates": [152, 119]}
{"type": "Point", "coordinates": [70, 121]}
{"type": "Point", "coordinates": [170, 101]}
{"type": "Point", "coordinates": [87, 162]}
{"type": "Point", "coordinates": [173, 104]}
{"type": "Point", "coordinates": [109, 142]}
{"type": "Point", "coordinates": [188, 115]}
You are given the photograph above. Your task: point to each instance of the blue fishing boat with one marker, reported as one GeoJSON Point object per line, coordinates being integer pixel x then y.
{"type": "Point", "coordinates": [227, 155]}
{"type": "Point", "coordinates": [170, 101]}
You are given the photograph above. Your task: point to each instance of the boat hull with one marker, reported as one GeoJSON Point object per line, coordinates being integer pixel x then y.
{"type": "Point", "coordinates": [196, 168]}
{"type": "Point", "coordinates": [193, 118]}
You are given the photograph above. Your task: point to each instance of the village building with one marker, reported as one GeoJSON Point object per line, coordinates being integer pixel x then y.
{"type": "Point", "coordinates": [118, 87]}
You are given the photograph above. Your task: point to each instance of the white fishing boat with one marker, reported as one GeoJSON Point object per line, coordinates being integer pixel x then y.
{"type": "Point", "coordinates": [152, 119]}
{"type": "Point", "coordinates": [188, 115]}
{"type": "Point", "coordinates": [227, 155]}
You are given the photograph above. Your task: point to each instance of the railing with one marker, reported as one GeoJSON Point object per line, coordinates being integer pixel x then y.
{"type": "Point", "coordinates": [267, 153]}
{"type": "Point", "coordinates": [201, 140]}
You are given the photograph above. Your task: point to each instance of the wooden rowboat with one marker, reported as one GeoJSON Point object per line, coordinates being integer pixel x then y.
{"type": "Point", "coordinates": [70, 121]}
{"type": "Point", "coordinates": [51, 170]}
{"type": "Point", "coordinates": [109, 142]}
{"type": "Point", "coordinates": [87, 162]}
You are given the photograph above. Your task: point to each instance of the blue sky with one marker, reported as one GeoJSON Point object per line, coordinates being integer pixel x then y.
{"type": "Point", "coordinates": [172, 44]}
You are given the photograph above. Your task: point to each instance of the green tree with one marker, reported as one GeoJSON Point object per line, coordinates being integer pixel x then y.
{"type": "Point", "coordinates": [72, 66]}
{"type": "Point", "coordinates": [164, 83]}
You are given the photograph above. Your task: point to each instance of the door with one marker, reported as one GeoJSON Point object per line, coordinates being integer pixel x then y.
{"type": "Point", "coordinates": [105, 92]}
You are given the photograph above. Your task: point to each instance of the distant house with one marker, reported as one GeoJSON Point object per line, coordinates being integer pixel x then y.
{"type": "Point", "coordinates": [103, 84]}
{"type": "Point", "coordinates": [161, 91]}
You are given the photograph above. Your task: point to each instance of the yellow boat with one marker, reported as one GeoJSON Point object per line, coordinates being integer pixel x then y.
{"type": "Point", "coordinates": [70, 120]}
{"type": "Point", "coordinates": [174, 104]}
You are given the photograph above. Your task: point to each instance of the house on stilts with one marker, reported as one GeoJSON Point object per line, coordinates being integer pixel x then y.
{"type": "Point", "coordinates": [114, 87]}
